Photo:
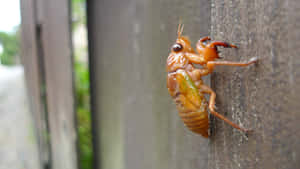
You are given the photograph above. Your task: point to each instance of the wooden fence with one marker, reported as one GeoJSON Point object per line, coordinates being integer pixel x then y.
{"type": "Point", "coordinates": [47, 58]}
{"type": "Point", "coordinates": [135, 123]}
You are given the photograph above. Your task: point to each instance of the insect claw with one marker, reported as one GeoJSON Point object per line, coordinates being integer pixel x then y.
{"type": "Point", "coordinates": [254, 60]}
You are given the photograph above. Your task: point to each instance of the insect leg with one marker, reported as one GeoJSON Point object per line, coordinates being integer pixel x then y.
{"type": "Point", "coordinates": [200, 42]}
{"type": "Point", "coordinates": [219, 43]}
{"type": "Point", "coordinates": [211, 64]}
{"type": "Point", "coordinates": [198, 73]}
{"type": "Point", "coordinates": [212, 99]}
{"type": "Point", "coordinates": [200, 45]}
{"type": "Point", "coordinates": [194, 58]}
{"type": "Point", "coordinates": [204, 39]}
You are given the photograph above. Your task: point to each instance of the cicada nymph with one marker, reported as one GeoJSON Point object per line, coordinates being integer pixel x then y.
{"type": "Point", "coordinates": [185, 85]}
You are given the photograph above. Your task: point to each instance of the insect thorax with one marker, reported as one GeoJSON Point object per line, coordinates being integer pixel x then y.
{"type": "Point", "coordinates": [176, 61]}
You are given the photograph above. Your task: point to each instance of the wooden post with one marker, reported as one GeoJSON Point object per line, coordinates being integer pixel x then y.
{"type": "Point", "coordinates": [135, 122]}
{"type": "Point", "coordinates": [31, 58]}
{"type": "Point", "coordinates": [263, 97]}
{"type": "Point", "coordinates": [56, 33]}
{"type": "Point", "coordinates": [47, 58]}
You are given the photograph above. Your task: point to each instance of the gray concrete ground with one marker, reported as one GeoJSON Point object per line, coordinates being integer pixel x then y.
{"type": "Point", "coordinates": [18, 144]}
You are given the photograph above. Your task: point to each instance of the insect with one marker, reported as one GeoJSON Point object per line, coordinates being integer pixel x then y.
{"type": "Point", "coordinates": [185, 85]}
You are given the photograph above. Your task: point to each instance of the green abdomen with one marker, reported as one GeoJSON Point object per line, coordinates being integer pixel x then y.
{"type": "Point", "coordinates": [191, 104]}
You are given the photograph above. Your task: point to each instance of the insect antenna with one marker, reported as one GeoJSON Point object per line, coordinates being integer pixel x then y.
{"type": "Point", "coordinates": [180, 29]}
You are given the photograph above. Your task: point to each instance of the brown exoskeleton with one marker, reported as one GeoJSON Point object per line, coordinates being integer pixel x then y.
{"type": "Point", "coordinates": [185, 83]}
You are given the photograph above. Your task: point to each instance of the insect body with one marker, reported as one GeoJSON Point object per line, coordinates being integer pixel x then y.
{"type": "Point", "coordinates": [185, 84]}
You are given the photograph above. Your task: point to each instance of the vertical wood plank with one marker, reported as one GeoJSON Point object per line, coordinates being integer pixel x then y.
{"type": "Point", "coordinates": [56, 31]}
{"type": "Point", "coordinates": [31, 57]}
{"type": "Point", "coordinates": [135, 122]}
{"type": "Point", "coordinates": [262, 97]}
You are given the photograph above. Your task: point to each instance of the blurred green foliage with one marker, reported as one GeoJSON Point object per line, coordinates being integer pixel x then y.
{"type": "Point", "coordinates": [10, 43]}
{"type": "Point", "coordinates": [83, 115]}
{"type": "Point", "coordinates": [79, 12]}
{"type": "Point", "coordinates": [82, 84]}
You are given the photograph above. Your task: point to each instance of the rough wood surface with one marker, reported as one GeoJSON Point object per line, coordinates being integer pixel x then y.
{"type": "Point", "coordinates": [136, 124]}
{"type": "Point", "coordinates": [263, 97]}
{"type": "Point", "coordinates": [56, 33]}
{"type": "Point", "coordinates": [31, 59]}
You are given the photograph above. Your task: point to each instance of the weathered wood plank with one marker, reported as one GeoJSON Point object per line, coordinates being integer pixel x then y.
{"type": "Point", "coordinates": [31, 57]}
{"type": "Point", "coordinates": [56, 31]}
{"type": "Point", "coordinates": [263, 97]}
{"type": "Point", "coordinates": [135, 122]}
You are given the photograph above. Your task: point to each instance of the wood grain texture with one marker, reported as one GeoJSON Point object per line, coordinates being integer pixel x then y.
{"type": "Point", "coordinates": [135, 122]}
{"type": "Point", "coordinates": [31, 58]}
{"type": "Point", "coordinates": [56, 33]}
{"type": "Point", "coordinates": [262, 97]}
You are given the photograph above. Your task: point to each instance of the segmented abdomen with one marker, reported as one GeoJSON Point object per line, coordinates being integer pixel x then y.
{"type": "Point", "coordinates": [191, 104]}
{"type": "Point", "coordinates": [196, 121]}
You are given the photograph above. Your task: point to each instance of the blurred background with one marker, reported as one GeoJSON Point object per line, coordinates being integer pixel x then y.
{"type": "Point", "coordinates": [83, 84]}
{"type": "Point", "coordinates": [15, 107]}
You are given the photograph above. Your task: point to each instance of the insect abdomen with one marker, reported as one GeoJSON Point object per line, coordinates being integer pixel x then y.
{"type": "Point", "coordinates": [190, 103]}
{"type": "Point", "coordinates": [196, 121]}
{"type": "Point", "coordinates": [194, 117]}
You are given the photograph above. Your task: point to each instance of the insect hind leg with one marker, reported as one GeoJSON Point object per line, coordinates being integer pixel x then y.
{"type": "Point", "coordinates": [212, 99]}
